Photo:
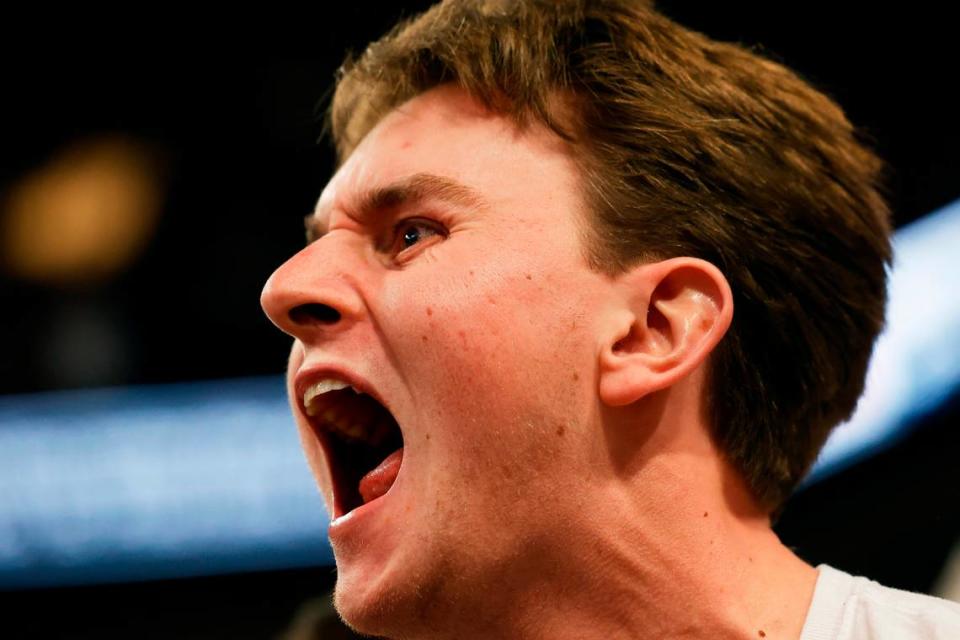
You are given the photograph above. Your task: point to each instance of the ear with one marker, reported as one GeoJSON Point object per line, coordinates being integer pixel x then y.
{"type": "Point", "coordinates": [671, 315]}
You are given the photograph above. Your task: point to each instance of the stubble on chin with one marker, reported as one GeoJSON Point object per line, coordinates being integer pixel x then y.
{"type": "Point", "coordinates": [413, 605]}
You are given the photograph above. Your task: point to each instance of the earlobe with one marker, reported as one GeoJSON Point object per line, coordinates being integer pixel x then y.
{"type": "Point", "coordinates": [673, 314]}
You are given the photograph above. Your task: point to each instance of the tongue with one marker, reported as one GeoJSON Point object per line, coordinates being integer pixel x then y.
{"type": "Point", "coordinates": [378, 482]}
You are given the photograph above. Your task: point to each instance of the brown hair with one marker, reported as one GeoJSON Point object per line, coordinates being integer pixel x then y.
{"type": "Point", "coordinates": [687, 147]}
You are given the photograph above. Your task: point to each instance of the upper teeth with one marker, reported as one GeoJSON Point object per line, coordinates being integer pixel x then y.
{"type": "Point", "coordinates": [350, 417]}
{"type": "Point", "coordinates": [320, 388]}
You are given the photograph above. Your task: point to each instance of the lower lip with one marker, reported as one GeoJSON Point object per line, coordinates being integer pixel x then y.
{"type": "Point", "coordinates": [346, 525]}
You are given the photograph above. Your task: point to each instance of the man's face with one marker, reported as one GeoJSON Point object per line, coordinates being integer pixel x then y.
{"type": "Point", "coordinates": [450, 279]}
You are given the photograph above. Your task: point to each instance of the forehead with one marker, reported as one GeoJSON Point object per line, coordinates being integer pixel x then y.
{"type": "Point", "coordinates": [443, 140]}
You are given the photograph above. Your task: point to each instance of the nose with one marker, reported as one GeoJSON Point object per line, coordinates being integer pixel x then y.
{"type": "Point", "coordinates": [308, 297]}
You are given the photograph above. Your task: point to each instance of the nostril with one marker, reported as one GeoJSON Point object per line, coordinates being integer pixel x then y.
{"type": "Point", "coordinates": [314, 313]}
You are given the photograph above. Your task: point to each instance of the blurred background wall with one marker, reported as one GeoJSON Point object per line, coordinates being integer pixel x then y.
{"type": "Point", "coordinates": [154, 171]}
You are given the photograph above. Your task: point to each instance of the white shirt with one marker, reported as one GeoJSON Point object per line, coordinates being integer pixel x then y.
{"type": "Point", "coordinates": [849, 608]}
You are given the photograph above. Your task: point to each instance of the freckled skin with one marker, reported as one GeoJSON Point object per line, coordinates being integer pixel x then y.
{"type": "Point", "coordinates": [492, 382]}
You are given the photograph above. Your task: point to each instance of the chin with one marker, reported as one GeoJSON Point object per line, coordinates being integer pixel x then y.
{"type": "Point", "coordinates": [379, 610]}
{"type": "Point", "coordinates": [364, 616]}
{"type": "Point", "coordinates": [409, 596]}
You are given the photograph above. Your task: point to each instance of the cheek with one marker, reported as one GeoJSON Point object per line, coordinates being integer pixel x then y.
{"type": "Point", "coordinates": [485, 350]}
{"type": "Point", "coordinates": [477, 326]}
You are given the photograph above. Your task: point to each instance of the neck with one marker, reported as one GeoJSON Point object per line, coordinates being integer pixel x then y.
{"type": "Point", "coordinates": [672, 545]}
{"type": "Point", "coordinates": [687, 565]}
{"type": "Point", "coordinates": [668, 543]}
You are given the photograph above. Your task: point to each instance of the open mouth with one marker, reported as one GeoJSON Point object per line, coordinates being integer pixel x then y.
{"type": "Point", "coordinates": [361, 439]}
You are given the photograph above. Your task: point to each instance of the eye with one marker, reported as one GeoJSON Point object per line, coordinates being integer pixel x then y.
{"type": "Point", "coordinates": [413, 231]}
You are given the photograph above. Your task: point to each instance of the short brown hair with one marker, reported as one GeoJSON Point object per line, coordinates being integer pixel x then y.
{"type": "Point", "coordinates": [687, 146]}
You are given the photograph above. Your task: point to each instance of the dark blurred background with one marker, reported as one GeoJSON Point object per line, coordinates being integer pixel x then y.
{"type": "Point", "coordinates": [202, 163]}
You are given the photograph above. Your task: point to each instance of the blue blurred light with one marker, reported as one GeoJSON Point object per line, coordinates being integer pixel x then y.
{"type": "Point", "coordinates": [916, 363]}
{"type": "Point", "coordinates": [154, 482]}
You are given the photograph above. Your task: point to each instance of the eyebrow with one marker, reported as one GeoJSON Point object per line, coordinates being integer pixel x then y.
{"type": "Point", "coordinates": [411, 190]}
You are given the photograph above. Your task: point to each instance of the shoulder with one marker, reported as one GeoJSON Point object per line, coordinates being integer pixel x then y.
{"type": "Point", "coordinates": [845, 607]}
